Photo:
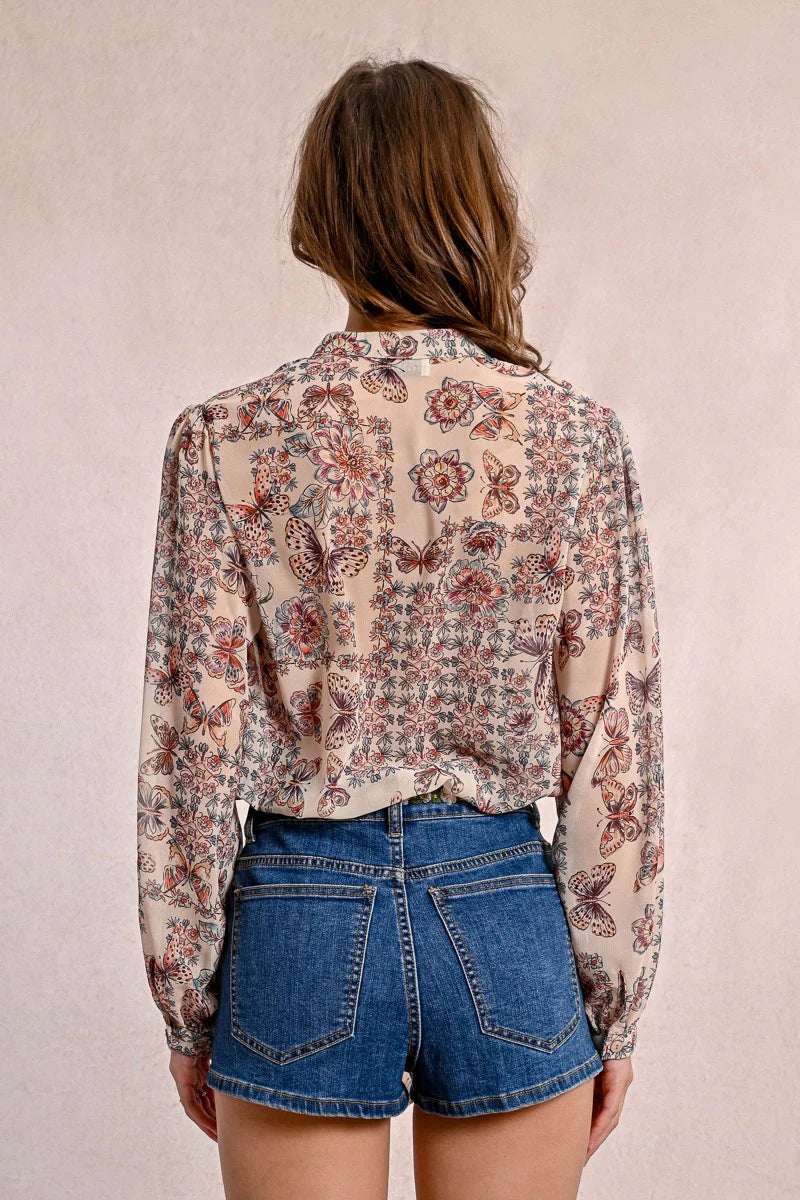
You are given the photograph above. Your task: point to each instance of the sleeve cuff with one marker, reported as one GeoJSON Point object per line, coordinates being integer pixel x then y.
{"type": "Point", "coordinates": [616, 1042]}
{"type": "Point", "coordinates": [192, 1044]}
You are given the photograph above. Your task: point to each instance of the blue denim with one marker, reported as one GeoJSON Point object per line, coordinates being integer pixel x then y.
{"type": "Point", "coordinates": [426, 939]}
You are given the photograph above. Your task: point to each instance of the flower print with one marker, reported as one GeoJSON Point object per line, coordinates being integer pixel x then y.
{"type": "Point", "coordinates": [343, 621]}
{"type": "Point", "coordinates": [339, 347]}
{"type": "Point", "coordinates": [300, 626]}
{"type": "Point", "coordinates": [651, 738]}
{"type": "Point", "coordinates": [652, 863]}
{"type": "Point", "coordinates": [602, 611]}
{"type": "Point", "coordinates": [274, 469]}
{"type": "Point", "coordinates": [225, 656]}
{"type": "Point", "coordinates": [578, 719]}
{"type": "Point", "coordinates": [201, 771]}
{"type": "Point", "coordinates": [345, 463]}
{"type": "Point", "coordinates": [468, 649]}
{"type": "Point", "coordinates": [476, 590]}
{"type": "Point", "coordinates": [452, 404]}
{"type": "Point", "coordinates": [521, 724]}
{"type": "Point", "coordinates": [652, 809]}
{"type": "Point", "coordinates": [349, 528]}
{"type": "Point", "coordinates": [440, 477]}
{"type": "Point", "coordinates": [484, 536]}
{"type": "Point", "coordinates": [644, 929]}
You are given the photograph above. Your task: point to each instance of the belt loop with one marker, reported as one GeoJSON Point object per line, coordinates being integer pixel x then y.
{"type": "Point", "coordinates": [395, 819]}
{"type": "Point", "coordinates": [249, 835]}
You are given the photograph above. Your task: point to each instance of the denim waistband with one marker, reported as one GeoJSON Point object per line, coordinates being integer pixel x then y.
{"type": "Point", "coordinates": [421, 807]}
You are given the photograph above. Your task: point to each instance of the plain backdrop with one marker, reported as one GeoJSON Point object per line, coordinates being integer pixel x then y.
{"type": "Point", "coordinates": [146, 159]}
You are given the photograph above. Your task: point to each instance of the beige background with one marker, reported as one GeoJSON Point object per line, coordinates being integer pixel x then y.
{"type": "Point", "coordinates": [146, 267]}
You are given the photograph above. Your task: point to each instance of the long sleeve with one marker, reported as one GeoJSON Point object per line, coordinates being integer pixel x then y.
{"type": "Point", "coordinates": [202, 616]}
{"type": "Point", "coordinates": [608, 846]}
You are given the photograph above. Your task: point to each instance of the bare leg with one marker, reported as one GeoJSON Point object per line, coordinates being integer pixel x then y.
{"type": "Point", "coordinates": [531, 1153]}
{"type": "Point", "coordinates": [270, 1154]}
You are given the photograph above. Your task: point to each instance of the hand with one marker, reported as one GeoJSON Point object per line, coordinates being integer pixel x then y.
{"type": "Point", "coordinates": [190, 1074]}
{"type": "Point", "coordinates": [609, 1096]}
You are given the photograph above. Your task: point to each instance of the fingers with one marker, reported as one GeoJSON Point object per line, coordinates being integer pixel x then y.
{"type": "Point", "coordinates": [613, 1085]}
{"type": "Point", "coordinates": [195, 1096]}
{"type": "Point", "coordinates": [199, 1107]}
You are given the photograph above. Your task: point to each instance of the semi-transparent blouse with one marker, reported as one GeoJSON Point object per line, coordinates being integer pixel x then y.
{"type": "Point", "coordinates": [396, 565]}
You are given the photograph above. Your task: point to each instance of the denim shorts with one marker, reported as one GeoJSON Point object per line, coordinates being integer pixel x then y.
{"type": "Point", "coordinates": [417, 953]}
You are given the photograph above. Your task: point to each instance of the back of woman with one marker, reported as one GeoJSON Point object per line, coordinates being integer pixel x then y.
{"type": "Point", "coordinates": [402, 592]}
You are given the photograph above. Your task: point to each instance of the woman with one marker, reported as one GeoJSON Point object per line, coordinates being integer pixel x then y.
{"type": "Point", "coordinates": [401, 592]}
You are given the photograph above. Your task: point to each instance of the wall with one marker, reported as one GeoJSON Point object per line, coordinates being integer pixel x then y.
{"type": "Point", "coordinates": [146, 266]}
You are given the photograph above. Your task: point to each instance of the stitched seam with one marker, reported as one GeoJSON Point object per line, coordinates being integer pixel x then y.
{"type": "Point", "coordinates": [346, 1029]}
{"type": "Point", "coordinates": [212, 1074]}
{"type": "Point", "coordinates": [381, 871]}
{"type": "Point", "coordinates": [477, 886]}
{"type": "Point", "coordinates": [485, 1019]}
{"type": "Point", "coordinates": [400, 902]}
{"type": "Point", "coordinates": [417, 1029]}
{"type": "Point", "coordinates": [341, 891]}
{"type": "Point", "coordinates": [536, 1087]}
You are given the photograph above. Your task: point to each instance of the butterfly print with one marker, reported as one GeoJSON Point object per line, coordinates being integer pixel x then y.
{"type": "Point", "coordinates": [161, 761]}
{"type": "Point", "coordinates": [344, 726]}
{"type": "Point", "coordinates": [256, 518]}
{"type": "Point", "coordinates": [179, 872]}
{"type": "Point", "coordinates": [618, 755]}
{"type": "Point", "coordinates": [498, 424]}
{"type": "Point", "coordinates": [500, 497]}
{"type": "Point", "coordinates": [170, 683]}
{"type": "Point", "coordinates": [410, 557]}
{"type": "Point", "coordinates": [162, 973]}
{"type": "Point", "coordinates": [255, 405]}
{"type": "Point", "coordinates": [305, 709]}
{"type": "Point", "coordinates": [431, 778]}
{"type": "Point", "coordinates": [349, 611]}
{"type": "Point", "coordinates": [591, 888]}
{"type": "Point", "coordinates": [153, 807]}
{"type": "Point", "coordinates": [331, 796]}
{"type": "Point", "coordinates": [633, 637]}
{"type": "Point", "coordinates": [535, 641]}
{"type": "Point", "coordinates": [315, 564]}
{"type": "Point", "coordinates": [545, 568]}
{"type": "Point", "coordinates": [338, 397]}
{"type": "Point", "coordinates": [569, 645]}
{"type": "Point", "coordinates": [208, 720]}
{"type": "Point", "coordinates": [645, 692]}
{"type": "Point", "coordinates": [195, 1010]}
{"type": "Point", "coordinates": [387, 381]}
{"type": "Point", "coordinates": [621, 825]}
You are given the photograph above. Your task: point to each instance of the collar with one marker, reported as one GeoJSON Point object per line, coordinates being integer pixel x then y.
{"type": "Point", "coordinates": [412, 342]}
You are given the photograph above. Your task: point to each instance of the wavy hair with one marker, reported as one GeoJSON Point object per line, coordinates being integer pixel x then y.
{"type": "Point", "coordinates": [401, 195]}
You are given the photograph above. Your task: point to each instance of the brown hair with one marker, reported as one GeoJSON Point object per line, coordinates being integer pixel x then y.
{"type": "Point", "coordinates": [402, 196]}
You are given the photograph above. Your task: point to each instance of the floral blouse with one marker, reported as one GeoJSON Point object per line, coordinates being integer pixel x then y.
{"type": "Point", "coordinates": [395, 566]}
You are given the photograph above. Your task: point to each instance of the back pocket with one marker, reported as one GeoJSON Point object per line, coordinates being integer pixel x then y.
{"type": "Point", "coordinates": [511, 938]}
{"type": "Point", "coordinates": [297, 956]}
